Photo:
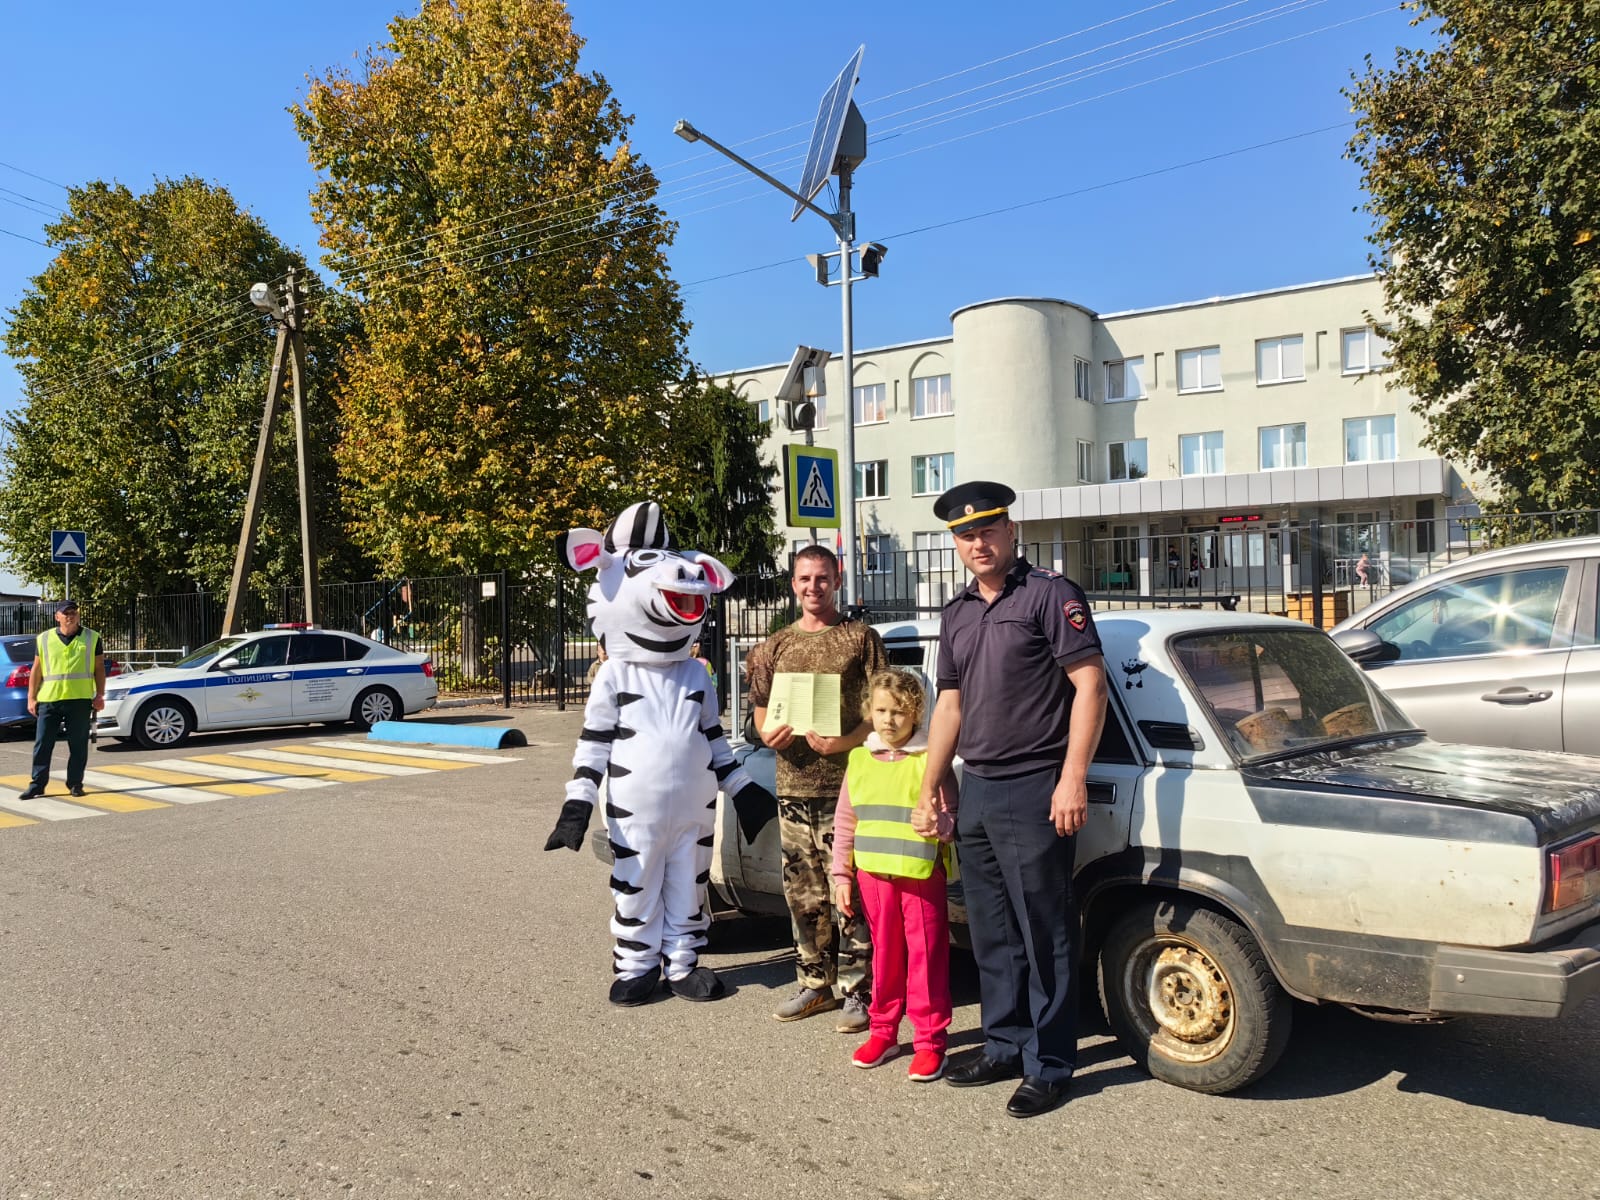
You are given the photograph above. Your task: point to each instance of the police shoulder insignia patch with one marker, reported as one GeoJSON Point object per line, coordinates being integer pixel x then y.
{"type": "Point", "coordinates": [1077, 614]}
{"type": "Point", "coordinates": [1044, 573]}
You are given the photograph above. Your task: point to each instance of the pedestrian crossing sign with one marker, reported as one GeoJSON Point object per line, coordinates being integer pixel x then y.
{"type": "Point", "coordinates": [811, 486]}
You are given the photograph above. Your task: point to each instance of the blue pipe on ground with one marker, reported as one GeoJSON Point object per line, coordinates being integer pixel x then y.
{"type": "Point", "coordinates": [436, 733]}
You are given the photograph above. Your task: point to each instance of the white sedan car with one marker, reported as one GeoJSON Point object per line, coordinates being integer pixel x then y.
{"type": "Point", "coordinates": [280, 675]}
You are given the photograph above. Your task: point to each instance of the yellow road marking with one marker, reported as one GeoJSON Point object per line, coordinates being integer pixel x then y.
{"type": "Point", "coordinates": [11, 820]}
{"type": "Point", "coordinates": [322, 749]}
{"type": "Point", "coordinates": [283, 768]}
{"type": "Point", "coordinates": [150, 773]}
{"type": "Point", "coordinates": [114, 801]}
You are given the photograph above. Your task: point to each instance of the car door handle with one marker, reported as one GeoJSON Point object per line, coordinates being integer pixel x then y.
{"type": "Point", "coordinates": [280, 674]}
{"type": "Point", "coordinates": [1517, 696]}
{"type": "Point", "coordinates": [354, 670]}
{"type": "Point", "coordinates": [1102, 793]}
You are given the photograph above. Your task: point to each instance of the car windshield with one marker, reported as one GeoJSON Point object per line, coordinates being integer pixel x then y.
{"type": "Point", "coordinates": [207, 653]}
{"type": "Point", "coordinates": [1277, 691]}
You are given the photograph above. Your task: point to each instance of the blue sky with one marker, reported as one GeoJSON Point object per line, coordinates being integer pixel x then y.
{"type": "Point", "coordinates": [1187, 142]}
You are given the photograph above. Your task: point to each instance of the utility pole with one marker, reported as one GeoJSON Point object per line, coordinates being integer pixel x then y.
{"type": "Point", "coordinates": [290, 353]}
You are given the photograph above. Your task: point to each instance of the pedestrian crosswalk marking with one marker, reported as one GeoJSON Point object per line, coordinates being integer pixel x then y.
{"type": "Point", "coordinates": [430, 754]}
{"type": "Point", "coordinates": [300, 769]}
{"type": "Point", "coordinates": [150, 773]}
{"type": "Point", "coordinates": [46, 809]}
{"type": "Point", "coordinates": [360, 755]}
{"type": "Point", "coordinates": [196, 779]}
{"type": "Point", "coordinates": [292, 755]}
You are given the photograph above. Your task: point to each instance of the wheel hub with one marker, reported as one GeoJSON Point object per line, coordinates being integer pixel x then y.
{"type": "Point", "coordinates": [1189, 996]}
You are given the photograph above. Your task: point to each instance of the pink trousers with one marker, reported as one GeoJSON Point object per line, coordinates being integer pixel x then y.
{"type": "Point", "coordinates": [910, 926]}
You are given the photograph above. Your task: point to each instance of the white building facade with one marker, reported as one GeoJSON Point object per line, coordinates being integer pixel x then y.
{"type": "Point", "coordinates": [1196, 432]}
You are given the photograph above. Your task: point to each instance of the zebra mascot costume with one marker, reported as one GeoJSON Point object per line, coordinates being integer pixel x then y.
{"type": "Point", "coordinates": [653, 729]}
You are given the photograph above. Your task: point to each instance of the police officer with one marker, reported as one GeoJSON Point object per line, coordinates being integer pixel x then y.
{"type": "Point", "coordinates": [1022, 696]}
{"type": "Point", "coordinates": [67, 686]}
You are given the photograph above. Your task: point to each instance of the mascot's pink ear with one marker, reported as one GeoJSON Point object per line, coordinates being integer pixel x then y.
{"type": "Point", "coordinates": [717, 575]}
{"type": "Point", "coordinates": [583, 549]}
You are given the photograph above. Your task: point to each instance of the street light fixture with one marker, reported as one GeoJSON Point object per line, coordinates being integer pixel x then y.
{"type": "Point", "coordinates": [838, 146]}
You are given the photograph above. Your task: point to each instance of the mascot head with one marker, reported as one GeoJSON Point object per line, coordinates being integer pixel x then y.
{"type": "Point", "coordinates": [648, 601]}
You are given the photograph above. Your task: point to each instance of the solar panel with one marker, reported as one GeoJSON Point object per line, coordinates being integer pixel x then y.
{"type": "Point", "coordinates": [826, 132]}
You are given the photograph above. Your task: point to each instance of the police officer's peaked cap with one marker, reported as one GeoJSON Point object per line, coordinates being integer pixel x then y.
{"type": "Point", "coordinates": [974, 505]}
{"type": "Point", "coordinates": [67, 606]}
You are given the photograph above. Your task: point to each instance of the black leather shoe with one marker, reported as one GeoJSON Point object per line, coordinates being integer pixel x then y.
{"type": "Point", "coordinates": [1034, 1096]}
{"type": "Point", "coordinates": [75, 790]}
{"type": "Point", "coordinates": [979, 1070]}
{"type": "Point", "coordinates": [32, 793]}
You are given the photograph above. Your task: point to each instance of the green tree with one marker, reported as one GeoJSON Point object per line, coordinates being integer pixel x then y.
{"type": "Point", "coordinates": [524, 340]}
{"type": "Point", "coordinates": [1481, 159]}
{"type": "Point", "coordinates": [725, 508]}
{"type": "Point", "coordinates": [144, 370]}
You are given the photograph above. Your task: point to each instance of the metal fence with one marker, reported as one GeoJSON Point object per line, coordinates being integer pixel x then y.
{"type": "Point", "coordinates": [526, 640]}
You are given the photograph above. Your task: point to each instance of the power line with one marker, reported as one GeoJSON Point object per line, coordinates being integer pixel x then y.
{"type": "Point", "coordinates": [31, 175]}
{"type": "Point", "coordinates": [26, 238]}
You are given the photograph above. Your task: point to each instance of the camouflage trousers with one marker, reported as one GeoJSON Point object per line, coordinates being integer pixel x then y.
{"type": "Point", "coordinates": [832, 948]}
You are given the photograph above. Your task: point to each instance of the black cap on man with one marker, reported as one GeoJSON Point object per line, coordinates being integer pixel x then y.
{"type": "Point", "coordinates": [974, 505]}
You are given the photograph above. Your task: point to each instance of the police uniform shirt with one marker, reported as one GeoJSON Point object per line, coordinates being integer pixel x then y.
{"type": "Point", "coordinates": [1007, 660]}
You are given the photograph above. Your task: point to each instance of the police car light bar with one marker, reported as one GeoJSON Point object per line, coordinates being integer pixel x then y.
{"type": "Point", "coordinates": [292, 625]}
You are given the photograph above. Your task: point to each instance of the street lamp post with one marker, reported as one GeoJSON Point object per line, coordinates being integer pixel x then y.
{"type": "Point", "coordinates": [843, 224]}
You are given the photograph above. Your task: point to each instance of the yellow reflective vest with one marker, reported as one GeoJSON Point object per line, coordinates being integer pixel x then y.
{"type": "Point", "coordinates": [883, 793]}
{"type": "Point", "coordinates": [66, 669]}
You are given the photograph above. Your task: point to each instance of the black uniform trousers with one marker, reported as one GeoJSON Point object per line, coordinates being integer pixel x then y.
{"type": "Point", "coordinates": [50, 716]}
{"type": "Point", "coordinates": [1016, 875]}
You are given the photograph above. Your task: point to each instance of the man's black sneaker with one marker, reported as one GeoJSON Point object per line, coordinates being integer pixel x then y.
{"type": "Point", "coordinates": [32, 793]}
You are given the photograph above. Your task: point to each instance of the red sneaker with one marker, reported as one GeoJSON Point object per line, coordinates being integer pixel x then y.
{"type": "Point", "coordinates": [926, 1066]}
{"type": "Point", "coordinates": [875, 1051]}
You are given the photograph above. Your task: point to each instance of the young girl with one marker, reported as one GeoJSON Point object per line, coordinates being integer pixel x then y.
{"type": "Point", "coordinates": [901, 876]}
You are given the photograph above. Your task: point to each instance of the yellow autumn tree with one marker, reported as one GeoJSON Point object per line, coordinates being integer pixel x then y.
{"type": "Point", "coordinates": [523, 336]}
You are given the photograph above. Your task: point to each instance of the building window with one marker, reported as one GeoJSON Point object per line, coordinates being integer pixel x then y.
{"type": "Point", "coordinates": [879, 553]}
{"type": "Point", "coordinates": [1283, 446]}
{"type": "Point", "coordinates": [1081, 385]}
{"type": "Point", "coordinates": [933, 473]}
{"type": "Point", "coordinates": [1127, 460]}
{"type": "Point", "coordinates": [1200, 370]}
{"type": "Point", "coordinates": [871, 408]}
{"type": "Point", "coordinates": [931, 397]}
{"type": "Point", "coordinates": [1362, 350]}
{"type": "Point", "coordinates": [763, 411]}
{"type": "Point", "coordinates": [1280, 360]}
{"type": "Point", "coordinates": [872, 479]}
{"type": "Point", "coordinates": [1125, 379]}
{"type": "Point", "coordinates": [1085, 462]}
{"type": "Point", "coordinates": [1369, 439]}
{"type": "Point", "coordinates": [1200, 453]}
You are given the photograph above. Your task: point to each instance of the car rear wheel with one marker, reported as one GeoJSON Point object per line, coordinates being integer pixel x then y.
{"type": "Point", "coordinates": [374, 705]}
{"type": "Point", "coordinates": [1192, 998]}
{"type": "Point", "coordinates": [163, 723]}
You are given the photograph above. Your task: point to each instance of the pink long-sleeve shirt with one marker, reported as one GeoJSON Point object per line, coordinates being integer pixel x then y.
{"type": "Point", "coordinates": [844, 816]}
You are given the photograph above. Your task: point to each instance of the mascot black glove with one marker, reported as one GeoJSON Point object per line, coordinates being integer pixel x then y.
{"type": "Point", "coordinates": [754, 806]}
{"type": "Point", "coordinates": [571, 825]}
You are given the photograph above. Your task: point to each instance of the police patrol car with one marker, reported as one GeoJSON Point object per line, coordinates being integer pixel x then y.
{"type": "Point", "coordinates": [288, 674]}
{"type": "Point", "coordinates": [1265, 825]}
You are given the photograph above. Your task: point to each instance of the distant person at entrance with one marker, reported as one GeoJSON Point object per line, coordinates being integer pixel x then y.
{"type": "Point", "coordinates": [1363, 569]}
{"type": "Point", "coordinates": [66, 688]}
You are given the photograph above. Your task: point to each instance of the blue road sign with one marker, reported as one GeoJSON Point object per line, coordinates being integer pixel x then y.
{"type": "Point", "coordinates": [69, 546]}
{"type": "Point", "coordinates": [811, 485]}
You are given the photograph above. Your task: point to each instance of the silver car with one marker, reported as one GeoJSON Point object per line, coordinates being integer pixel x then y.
{"type": "Point", "coordinates": [1500, 649]}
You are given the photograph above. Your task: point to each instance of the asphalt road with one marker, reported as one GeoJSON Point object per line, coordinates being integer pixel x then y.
{"type": "Point", "coordinates": [384, 988]}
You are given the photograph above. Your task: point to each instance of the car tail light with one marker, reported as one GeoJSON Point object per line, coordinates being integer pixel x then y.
{"type": "Point", "coordinates": [427, 667]}
{"type": "Point", "coordinates": [19, 676]}
{"type": "Point", "coordinates": [1572, 874]}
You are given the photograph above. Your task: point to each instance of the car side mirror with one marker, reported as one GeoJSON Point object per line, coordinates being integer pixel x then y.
{"type": "Point", "coordinates": [1364, 646]}
{"type": "Point", "coordinates": [226, 664]}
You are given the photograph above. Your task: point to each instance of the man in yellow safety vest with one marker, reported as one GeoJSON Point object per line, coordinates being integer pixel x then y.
{"type": "Point", "coordinates": [67, 686]}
